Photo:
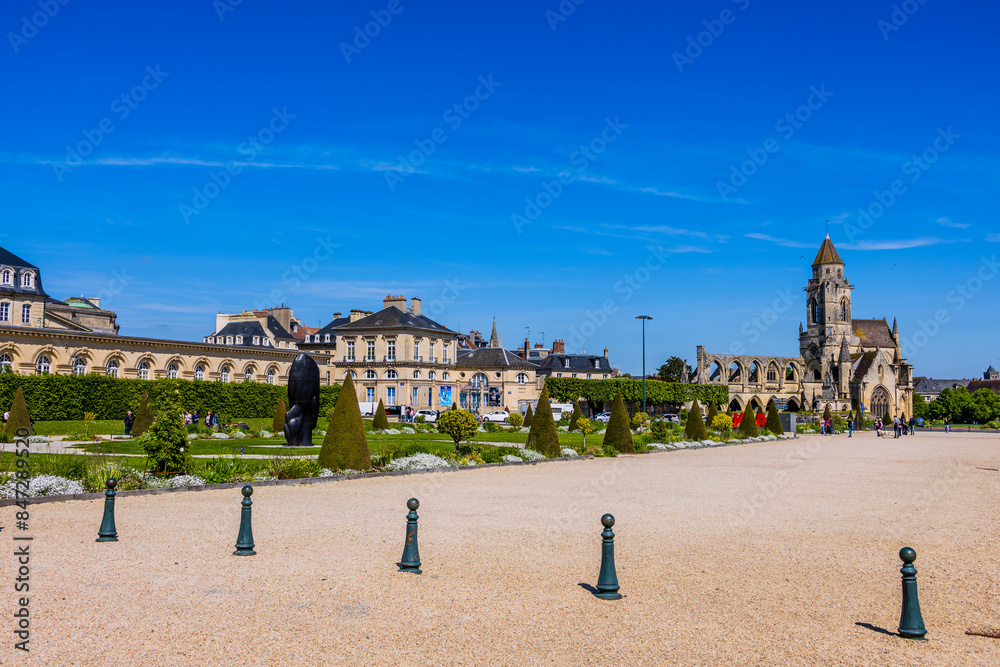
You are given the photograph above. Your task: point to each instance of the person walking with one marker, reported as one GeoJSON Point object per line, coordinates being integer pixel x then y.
{"type": "Point", "coordinates": [947, 426]}
{"type": "Point", "coordinates": [850, 428]}
{"type": "Point", "coordinates": [897, 427]}
{"type": "Point", "coordinates": [913, 425]}
{"type": "Point", "coordinates": [195, 418]}
{"type": "Point", "coordinates": [6, 416]}
{"type": "Point", "coordinates": [129, 421]}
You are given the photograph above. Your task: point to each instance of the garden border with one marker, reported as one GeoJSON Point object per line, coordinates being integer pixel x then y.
{"type": "Point", "coordinates": [36, 500]}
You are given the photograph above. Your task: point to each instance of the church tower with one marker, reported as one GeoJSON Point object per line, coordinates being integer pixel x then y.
{"type": "Point", "coordinates": [828, 317]}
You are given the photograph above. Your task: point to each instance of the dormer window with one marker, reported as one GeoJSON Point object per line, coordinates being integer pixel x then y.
{"type": "Point", "coordinates": [239, 340]}
{"type": "Point", "coordinates": [326, 338]}
{"type": "Point", "coordinates": [27, 279]}
{"type": "Point", "coordinates": [229, 340]}
{"type": "Point", "coordinates": [256, 340]}
{"type": "Point", "coordinates": [267, 342]}
{"type": "Point", "coordinates": [6, 277]}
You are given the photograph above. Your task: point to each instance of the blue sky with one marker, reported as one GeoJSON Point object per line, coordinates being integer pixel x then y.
{"type": "Point", "coordinates": [353, 175]}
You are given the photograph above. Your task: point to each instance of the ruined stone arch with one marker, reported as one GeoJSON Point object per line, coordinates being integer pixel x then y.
{"type": "Point", "coordinates": [754, 372]}
{"type": "Point", "coordinates": [773, 372]}
{"type": "Point", "coordinates": [735, 405]}
{"type": "Point", "coordinates": [715, 371]}
{"type": "Point", "coordinates": [756, 403]}
{"type": "Point", "coordinates": [735, 371]}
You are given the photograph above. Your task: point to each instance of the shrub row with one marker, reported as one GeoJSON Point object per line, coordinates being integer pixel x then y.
{"type": "Point", "coordinates": [64, 397]}
{"type": "Point", "coordinates": [568, 390]}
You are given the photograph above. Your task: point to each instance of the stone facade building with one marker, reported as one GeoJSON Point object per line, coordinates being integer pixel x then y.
{"type": "Point", "coordinates": [846, 363]}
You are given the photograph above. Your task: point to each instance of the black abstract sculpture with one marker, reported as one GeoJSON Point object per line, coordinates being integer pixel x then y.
{"type": "Point", "coordinates": [303, 402]}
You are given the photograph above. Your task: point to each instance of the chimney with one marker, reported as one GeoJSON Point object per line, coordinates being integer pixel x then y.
{"type": "Point", "coordinates": [336, 316]}
{"type": "Point", "coordinates": [605, 353]}
{"type": "Point", "coordinates": [220, 321]}
{"type": "Point", "coordinates": [96, 300]}
{"type": "Point", "coordinates": [527, 346]}
{"type": "Point", "coordinates": [415, 305]}
{"type": "Point", "coordinates": [356, 314]}
{"type": "Point", "coordinates": [559, 346]}
{"type": "Point", "coordinates": [398, 301]}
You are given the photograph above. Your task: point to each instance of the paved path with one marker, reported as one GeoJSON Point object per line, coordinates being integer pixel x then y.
{"type": "Point", "coordinates": [766, 554]}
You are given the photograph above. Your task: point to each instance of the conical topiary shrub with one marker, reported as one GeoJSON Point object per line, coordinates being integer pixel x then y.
{"type": "Point", "coordinates": [19, 416]}
{"type": "Point", "coordinates": [573, 426]}
{"type": "Point", "coordinates": [695, 429]}
{"type": "Point", "coordinates": [712, 413]}
{"type": "Point", "coordinates": [618, 434]}
{"type": "Point", "coordinates": [381, 421]}
{"type": "Point", "coordinates": [278, 423]}
{"type": "Point", "coordinates": [748, 427]}
{"type": "Point", "coordinates": [774, 420]}
{"type": "Point", "coordinates": [543, 436]}
{"type": "Point", "coordinates": [529, 417]}
{"type": "Point", "coordinates": [143, 417]}
{"type": "Point", "coordinates": [827, 414]}
{"type": "Point", "coordinates": [345, 446]}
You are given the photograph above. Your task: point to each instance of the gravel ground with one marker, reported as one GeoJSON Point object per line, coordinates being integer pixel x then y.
{"type": "Point", "coordinates": [773, 553]}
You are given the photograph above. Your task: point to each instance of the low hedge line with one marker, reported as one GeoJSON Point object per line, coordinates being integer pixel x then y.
{"type": "Point", "coordinates": [65, 397]}
{"type": "Point", "coordinates": [567, 390]}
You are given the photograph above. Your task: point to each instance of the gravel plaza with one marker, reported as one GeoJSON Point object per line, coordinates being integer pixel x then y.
{"type": "Point", "coordinates": [780, 553]}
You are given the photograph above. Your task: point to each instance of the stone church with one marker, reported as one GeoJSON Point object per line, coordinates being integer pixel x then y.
{"type": "Point", "coordinates": [846, 363]}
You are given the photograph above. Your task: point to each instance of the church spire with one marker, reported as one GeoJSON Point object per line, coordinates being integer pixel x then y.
{"type": "Point", "coordinates": [845, 352]}
{"type": "Point", "coordinates": [494, 337]}
{"type": "Point", "coordinates": [827, 253]}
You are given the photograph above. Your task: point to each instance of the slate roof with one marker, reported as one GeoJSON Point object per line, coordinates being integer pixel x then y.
{"type": "Point", "coordinates": [8, 258]}
{"type": "Point", "coordinates": [925, 385]}
{"type": "Point", "coordinates": [248, 329]}
{"type": "Point", "coordinates": [827, 253]}
{"type": "Point", "coordinates": [575, 362]}
{"type": "Point", "coordinates": [873, 333]}
{"type": "Point", "coordinates": [976, 385]}
{"type": "Point", "coordinates": [393, 318]}
{"type": "Point", "coordinates": [864, 364]}
{"type": "Point", "coordinates": [491, 357]}
{"type": "Point", "coordinates": [329, 329]}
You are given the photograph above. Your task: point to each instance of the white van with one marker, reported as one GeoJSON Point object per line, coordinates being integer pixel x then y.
{"type": "Point", "coordinates": [367, 409]}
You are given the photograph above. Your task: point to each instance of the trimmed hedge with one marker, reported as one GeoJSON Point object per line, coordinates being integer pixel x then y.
{"type": "Point", "coordinates": [618, 433]}
{"type": "Point", "coordinates": [567, 390]}
{"type": "Point", "coordinates": [65, 397]}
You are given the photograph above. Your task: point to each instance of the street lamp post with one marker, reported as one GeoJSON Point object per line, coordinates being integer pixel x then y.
{"type": "Point", "coordinates": [643, 318]}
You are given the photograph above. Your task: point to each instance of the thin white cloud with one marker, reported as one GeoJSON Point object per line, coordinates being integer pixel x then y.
{"type": "Point", "coordinates": [598, 251]}
{"type": "Point", "coordinates": [946, 222]}
{"type": "Point", "coordinates": [896, 244]}
{"type": "Point", "coordinates": [526, 170]}
{"type": "Point", "coordinates": [670, 231]}
{"type": "Point", "coordinates": [993, 238]}
{"type": "Point", "coordinates": [787, 243]}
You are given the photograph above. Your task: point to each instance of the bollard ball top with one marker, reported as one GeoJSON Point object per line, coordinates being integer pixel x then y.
{"type": "Point", "coordinates": [112, 483]}
{"type": "Point", "coordinates": [247, 491]}
{"type": "Point", "coordinates": [413, 504]}
{"type": "Point", "coordinates": [607, 521]}
{"type": "Point", "coordinates": [907, 555]}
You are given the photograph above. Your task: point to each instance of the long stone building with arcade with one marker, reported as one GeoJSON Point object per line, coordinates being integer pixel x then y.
{"type": "Point", "coordinates": [843, 362]}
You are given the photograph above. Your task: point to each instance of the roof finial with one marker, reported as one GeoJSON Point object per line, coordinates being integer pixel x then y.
{"type": "Point", "coordinates": [827, 229]}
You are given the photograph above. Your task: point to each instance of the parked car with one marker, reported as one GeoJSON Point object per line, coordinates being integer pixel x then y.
{"type": "Point", "coordinates": [603, 417]}
{"type": "Point", "coordinates": [673, 419]}
{"type": "Point", "coordinates": [497, 416]}
{"type": "Point", "coordinates": [393, 410]}
{"type": "Point", "coordinates": [428, 415]}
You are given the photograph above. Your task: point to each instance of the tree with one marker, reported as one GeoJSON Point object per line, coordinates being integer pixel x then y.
{"type": "Point", "coordinates": [515, 420]}
{"type": "Point", "coordinates": [19, 415]}
{"type": "Point", "coordinates": [345, 446]}
{"type": "Point", "coordinates": [459, 424]}
{"type": "Point", "coordinates": [773, 420]}
{"type": "Point", "coordinates": [576, 416]}
{"type": "Point", "coordinates": [618, 434]}
{"type": "Point", "coordinates": [586, 428]}
{"type": "Point", "coordinates": [278, 423]}
{"type": "Point", "coordinates": [695, 429]}
{"type": "Point", "coordinates": [711, 415]}
{"type": "Point", "coordinates": [165, 441]}
{"type": "Point", "coordinates": [984, 407]}
{"type": "Point", "coordinates": [748, 427]}
{"type": "Point", "coordinates": [143, 417]}
{"type": "Point", "coordinates": [827, 414]}
{"type": "Point", "coordinates": [528, 417]}
{"type": "Point", "coordinates": [674, 370]}
{"type": "Point", "coordinates": [543, 436]}
{"type": "Point", "coordinates": [381, 421]}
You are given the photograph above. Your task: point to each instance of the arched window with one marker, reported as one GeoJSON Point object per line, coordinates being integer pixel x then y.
{"type": "Point", "coordinates": [354, 376]}
{"type": "Point", "coordinates": [480, 380]}
{"type": "Point", "coordinates": [44, 365]}
{"type": "Point", "coordinates": [248, 374]}
{"type": "Point", "coordinates": [112, 369]}
{"type": "Point", "coordinates": [6, 277]}
{"type": "Point", "coordinates": [522, 378]}
{"type": "Point", "coordinates": [144, 371]}
{"type": "Point", "coordinates": [26, 279]}
{"type": "Point", "coordinates": [772, 374]}
{"type": "Point", "coordinates": [172, 371]}
{"type": "Point", "coordinates": [270, 376]}
{"type": "Point", "coordinates": [416, 375]}
{"type": "Point", "coordinates": [371, 375]}
{"type": "Point", "coordinates": [391, 374]}
{"type": "Point", "coordinates": [199, 373]}
{"type": "Point", "coordinates": [431, 375]}
{"type": "Point", "coordinates": [79, 366]}
{"type": "Point", "coordinates": [445, 376]}
{"type": "Point", "coordinates": [224, 374]}
{"type": "Point", "coordinates": [6, 363]}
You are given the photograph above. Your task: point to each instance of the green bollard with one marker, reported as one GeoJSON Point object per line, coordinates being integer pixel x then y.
{"type": "Point", "coordinates": [410, 562]}
{"type": "Point", "coordinates": [607, 580]}
{"type": "Point", "coordinates": [244, 541]}
{"type": "Point", "coordinates": [911, 622]}
{"type": "Point", "coordinates": [108, 532]}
